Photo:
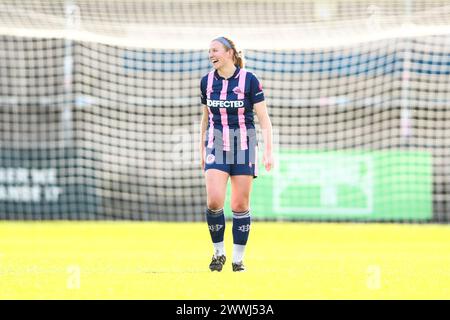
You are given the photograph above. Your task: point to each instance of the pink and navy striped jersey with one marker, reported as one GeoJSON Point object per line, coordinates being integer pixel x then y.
{"type": "Point", "coordinates": [230, 101]}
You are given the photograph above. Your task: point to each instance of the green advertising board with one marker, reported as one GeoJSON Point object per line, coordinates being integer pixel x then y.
{"type": "Point", "coordinates": [356, 185]}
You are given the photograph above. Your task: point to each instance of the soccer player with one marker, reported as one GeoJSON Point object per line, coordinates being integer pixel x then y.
{"type": "Point", "coordinates": [230, 95]}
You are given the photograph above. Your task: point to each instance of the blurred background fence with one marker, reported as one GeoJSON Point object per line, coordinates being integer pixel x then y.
{"type": "Point", "coordinates": [100, 107]}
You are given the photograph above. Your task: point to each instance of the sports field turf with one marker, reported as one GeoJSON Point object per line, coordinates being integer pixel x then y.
{"type": "Point", "coordinates": [125, 260]}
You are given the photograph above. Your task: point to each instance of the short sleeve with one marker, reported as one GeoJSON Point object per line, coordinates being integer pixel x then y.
{"type": "Point", "coordinates": [203, 90]}
{"type": "Point", "coordinates": [256, 90]}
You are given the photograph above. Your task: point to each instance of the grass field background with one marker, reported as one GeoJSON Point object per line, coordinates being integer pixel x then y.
{"type": "Point", "coordinates": [129, 260]}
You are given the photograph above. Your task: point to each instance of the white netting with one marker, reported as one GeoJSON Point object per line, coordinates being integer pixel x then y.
{"type": "Point", "coordinates": [188, 24]}
{"type": "Point", "coordinates": [99, 107]}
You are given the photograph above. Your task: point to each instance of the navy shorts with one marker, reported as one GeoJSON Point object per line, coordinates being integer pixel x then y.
{"type": "Point", "coordinates": [235, 162]}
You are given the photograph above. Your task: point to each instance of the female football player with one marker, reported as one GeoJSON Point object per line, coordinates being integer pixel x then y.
{"type": "Point", "coordinates": [230, 96]}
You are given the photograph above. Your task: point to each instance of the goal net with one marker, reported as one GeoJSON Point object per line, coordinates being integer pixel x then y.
{"type": "Point", "coordinates": [100, 108]}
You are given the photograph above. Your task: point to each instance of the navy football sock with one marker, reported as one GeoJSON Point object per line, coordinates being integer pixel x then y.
{"type": "Point", "coordinates": [241, 230]}
{"type": "Point", "coordinates": [216, 225]}
{"type": "Point", "coordinates": [241, 227]}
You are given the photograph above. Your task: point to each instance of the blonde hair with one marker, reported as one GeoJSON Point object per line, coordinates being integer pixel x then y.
{"type": "Point", "coordinates": [238, 57]}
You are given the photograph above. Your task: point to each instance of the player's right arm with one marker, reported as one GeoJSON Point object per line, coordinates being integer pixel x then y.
{"type": "Point", "coordinates": [204, 122]}
{"type": "Point", "coordinates": [203, 126]}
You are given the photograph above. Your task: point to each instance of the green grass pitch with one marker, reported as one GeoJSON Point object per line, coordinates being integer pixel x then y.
{"type": "Point", "coordinates": [148, 260]}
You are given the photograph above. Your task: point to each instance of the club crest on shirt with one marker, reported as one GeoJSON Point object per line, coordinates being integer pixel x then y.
{"type": "Point", "coordinates": [210, 158]}
{"type": "Point", "coordinates": [237, 90]}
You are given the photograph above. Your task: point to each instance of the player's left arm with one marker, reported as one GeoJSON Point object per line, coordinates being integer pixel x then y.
{"type": "Point", "coordinates": [266, 127]}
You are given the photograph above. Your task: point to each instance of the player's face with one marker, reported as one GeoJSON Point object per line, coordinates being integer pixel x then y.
{"type": "Point", "coordinates": [218, 55]}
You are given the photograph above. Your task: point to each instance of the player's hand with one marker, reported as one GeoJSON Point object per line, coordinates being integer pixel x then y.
{"type": "Point", "coordinates": [268, 160]}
